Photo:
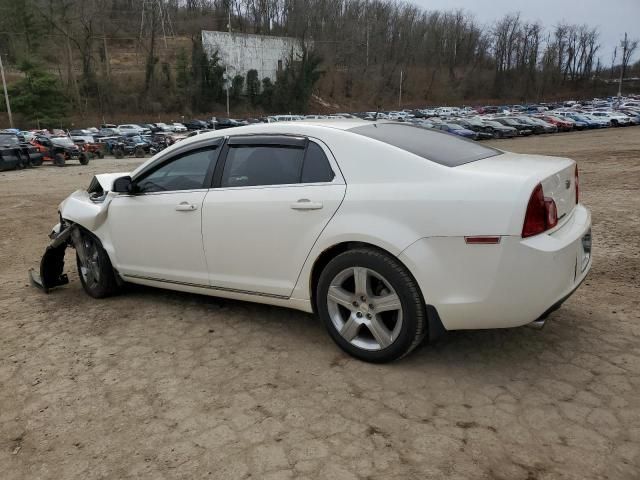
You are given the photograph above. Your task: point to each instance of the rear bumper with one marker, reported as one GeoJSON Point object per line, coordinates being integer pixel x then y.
{"type": "Point", "coordinates": [506, 285]}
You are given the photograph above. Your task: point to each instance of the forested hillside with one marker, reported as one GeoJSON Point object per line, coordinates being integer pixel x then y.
{"type": "Point", "coordinates": [131, 58]}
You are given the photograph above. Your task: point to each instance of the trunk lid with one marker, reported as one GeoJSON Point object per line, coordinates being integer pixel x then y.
{"type": "Point", "coordinates": [556, 175]}
{"type": "Point", "coordinates": [561, 187]}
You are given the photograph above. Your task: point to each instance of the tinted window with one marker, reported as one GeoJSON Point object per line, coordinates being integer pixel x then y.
{"type": "Point", "coordinates": [440, 148]}
{"type": "Point", "coordinates": [187, 172]}
{"type": "Point", "coordinates": [316, 166]}
{"type": "Point", "coordinates": [252, 165]}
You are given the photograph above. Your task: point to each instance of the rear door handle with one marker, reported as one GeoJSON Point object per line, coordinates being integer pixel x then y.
{"type": "Point", "coordinates": [186, 207]}
{"type": "Point", "coordinates": [306, 204]}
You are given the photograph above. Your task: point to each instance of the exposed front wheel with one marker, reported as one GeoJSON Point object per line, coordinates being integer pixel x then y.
{"type": "Point", "coordinates": [371, 305]}
{"type": "Point", "coordinates": [94, 266]}
{"type": "Point", "coordinates": [84, 159]}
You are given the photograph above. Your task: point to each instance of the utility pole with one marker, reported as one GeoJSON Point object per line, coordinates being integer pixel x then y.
{"type": "Point", "coordinates": [229, 11]}
{"type": "Point", "coordinates": [6, 94]}
{"type": "Point", "coordinates": [400, 97]}
{"type": "Point", "coordinates": [624, 55]}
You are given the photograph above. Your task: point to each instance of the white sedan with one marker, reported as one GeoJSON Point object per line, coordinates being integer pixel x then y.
{"type": "Point", "coordinates": [389, 232]}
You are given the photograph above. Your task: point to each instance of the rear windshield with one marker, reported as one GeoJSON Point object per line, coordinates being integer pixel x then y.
{"type": "Point", "coordinates": [439, 147]}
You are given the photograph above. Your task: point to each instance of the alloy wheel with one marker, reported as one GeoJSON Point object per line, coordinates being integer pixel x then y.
{"type": "Point", "coordinates": [364, 308]}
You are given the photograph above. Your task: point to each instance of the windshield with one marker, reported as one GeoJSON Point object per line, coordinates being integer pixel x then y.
{"type": "Point", "coordinates": [8, 140]}
{"type": "Point", "coordinates": [432, 145]}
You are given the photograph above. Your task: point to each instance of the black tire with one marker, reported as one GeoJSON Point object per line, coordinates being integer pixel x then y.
{"type": "Point", "coordinates": [104, 284]}
{"type": "Point", "coordinates": [58, 160]}
{"type": "Point", "coordinates": [84, 159]}
{"type": "Point", "coordinates": [25, 160]}
{"type": "Point", "coordinates": [118, 153]}
{"type": "Point", "coordinates": [414, 315]}
{"type": "Point", "coordinates": [139, 152]}
{"type": "Point", "coordinates": [99, 154]}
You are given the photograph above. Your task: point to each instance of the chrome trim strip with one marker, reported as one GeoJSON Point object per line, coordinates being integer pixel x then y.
{"type": "Point", "coordinates": [208, 287]}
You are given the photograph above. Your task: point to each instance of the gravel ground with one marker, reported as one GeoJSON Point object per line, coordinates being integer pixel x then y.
{"type": "Point", "coordinates": [154, 384]}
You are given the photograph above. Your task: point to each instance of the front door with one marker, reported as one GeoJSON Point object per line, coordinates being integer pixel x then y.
{"type": "Point", "coordinates": [156, 231]}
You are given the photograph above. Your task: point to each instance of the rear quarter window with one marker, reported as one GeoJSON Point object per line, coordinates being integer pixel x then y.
{"type": "Point", "coordinates": [438, 147]}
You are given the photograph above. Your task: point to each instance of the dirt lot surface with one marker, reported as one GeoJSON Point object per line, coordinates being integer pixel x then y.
{"type": "Point", "coordinates": [154, 384]}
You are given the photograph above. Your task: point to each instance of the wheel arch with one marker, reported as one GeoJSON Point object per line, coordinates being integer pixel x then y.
{"type": "Point", "coordinates": [434, 325]}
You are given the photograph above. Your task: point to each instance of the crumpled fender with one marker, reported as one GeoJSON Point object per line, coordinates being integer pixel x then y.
{"type": "Point", "coordinates": [79, 208]}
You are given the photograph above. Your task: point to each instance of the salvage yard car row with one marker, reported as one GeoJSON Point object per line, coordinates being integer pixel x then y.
{"type": "Point", "coordinates": [22, 149]}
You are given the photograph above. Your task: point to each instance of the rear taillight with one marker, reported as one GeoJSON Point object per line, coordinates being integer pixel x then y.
{"type": "Point", "coordinates": [577, 182]}
{"type": "Point", "coordinates": [541, 215]}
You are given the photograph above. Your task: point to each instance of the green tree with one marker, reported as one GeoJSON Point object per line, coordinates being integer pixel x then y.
{"type": "Point", "coordinates": [183, 75]}
{"type": "Point", "coordinates": [38, 96]}
{"type": "Point", "coordinates": [295, 83]}
{"type": "Point", "coordinates": [237, 87]}
{"type": "Point", "coordinates": [266, 97]}
{"type": "Point", "coordinates": [208, 78]}
{"type": "Point", "coordinates": [253, 87]}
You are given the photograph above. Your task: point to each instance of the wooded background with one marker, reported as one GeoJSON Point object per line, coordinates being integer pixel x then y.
{"type": "Point", "coordinates": [143, 58]}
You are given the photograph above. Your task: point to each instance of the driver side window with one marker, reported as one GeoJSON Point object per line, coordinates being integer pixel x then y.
{"type": "Point", "coordinates": [185, 172]}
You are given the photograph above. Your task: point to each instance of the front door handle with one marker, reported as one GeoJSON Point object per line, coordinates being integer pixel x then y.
{"type": "Point", "coordinates": [306, 204]}
{"type": "Point", "coordinates": [186, 207]}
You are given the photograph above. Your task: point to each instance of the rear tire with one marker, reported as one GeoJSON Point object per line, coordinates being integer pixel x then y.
{"type": "Point", "coordinates": [119, 153]}
{"type": "Point", "coordinates": [25, 160]}
{"type": "Point", "coordinates": [379, 319]}
{"type": "Point", "coordinates": [97, 275]}
{"type": "Point", "coordinates": [84, 159]}
{"type": "Point", "coordinates": [139, 152]}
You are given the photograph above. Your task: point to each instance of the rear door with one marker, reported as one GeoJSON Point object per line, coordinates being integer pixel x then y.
{"type": "Point", "coordinates": [274, 195]}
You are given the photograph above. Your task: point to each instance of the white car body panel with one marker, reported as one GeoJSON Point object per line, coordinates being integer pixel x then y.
{"type": "Point", "coordinates": [152, 239]}
{"type": "Point", "coordinates": [247, 243]}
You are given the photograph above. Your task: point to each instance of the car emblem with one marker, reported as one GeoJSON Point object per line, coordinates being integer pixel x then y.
{"type": "Point", "coordinates": [567, 184]}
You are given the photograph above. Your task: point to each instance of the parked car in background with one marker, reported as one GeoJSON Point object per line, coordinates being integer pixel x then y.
{"type": "Point", "coordinates": [615, 119]}
{"type": "Point", "coordinates": [196, 125]}
{"type": "Point", "coordinates": [563, 124]}
{"type": "Point", "coordinates": [150, 127]}
{"type": "Point", "coordinates": [163, 127]}
{"type": "Point", "coordinates": [15, 153]}
{"type": "Point", "coordinates": [601, 122]}
{"type": "Point", "coordinates": [455, 129]}
{"type": "Point", "coordinates": [482, 132]}
{"type": "Point", "coordinates": [130, 128]}
{"type": "Point", "coordinates": [178, 127]}
{"type": "Point", "coordinates": [499, 130]}
{"type": "Point", "coordinates": [523, 130]}
{"type": "Point", "coordinates": [548, 127]}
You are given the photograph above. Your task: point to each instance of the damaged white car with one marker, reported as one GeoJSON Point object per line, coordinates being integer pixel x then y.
{"type": "Point", "coordinates": [389, 232]}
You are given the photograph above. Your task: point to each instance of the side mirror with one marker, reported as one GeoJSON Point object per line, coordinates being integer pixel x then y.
{"type": "Point", "coordinates": [123, 185]}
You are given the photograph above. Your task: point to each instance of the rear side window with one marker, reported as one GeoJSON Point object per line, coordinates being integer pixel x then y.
{"type": "Point", "coordinates": [441, 148]}
{"type": "Point", "coordinates": [255, 165]}
{"type": "Point", "coordinates": [316, 166]}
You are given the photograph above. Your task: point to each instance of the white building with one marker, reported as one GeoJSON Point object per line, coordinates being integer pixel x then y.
{"type": "Point", "coordinates": [241, 52]}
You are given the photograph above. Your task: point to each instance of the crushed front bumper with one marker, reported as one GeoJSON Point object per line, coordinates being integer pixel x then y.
{"type": "Point", "coordinates": [52, 264]}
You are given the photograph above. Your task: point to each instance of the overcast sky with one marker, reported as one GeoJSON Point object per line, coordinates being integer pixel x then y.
{"type": "Point", "coordinates": [612, 17]}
